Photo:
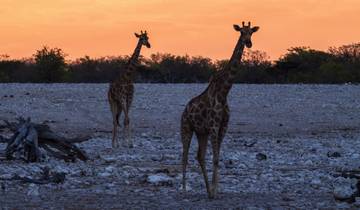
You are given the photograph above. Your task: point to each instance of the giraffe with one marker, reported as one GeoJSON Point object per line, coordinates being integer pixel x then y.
{"type": "Point", "coordinates": [207, 114]}
{"type": "Point", "coordinates": [121, 92]}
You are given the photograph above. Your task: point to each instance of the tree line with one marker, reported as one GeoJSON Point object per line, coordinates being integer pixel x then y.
{"type": "Point", "coordinates": [337, 65]}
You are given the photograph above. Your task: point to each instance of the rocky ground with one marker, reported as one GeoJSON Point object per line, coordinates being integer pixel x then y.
{"type": "Point", "coordinates": [283, 150]}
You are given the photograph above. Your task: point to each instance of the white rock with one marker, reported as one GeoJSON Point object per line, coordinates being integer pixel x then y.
{"type": "Point", "coordinates": [342, 205]}
{"type": "Point", "coordinates": [357, 202]}
{"type": "Point", "coordinates": [344, 188]}
{"type": "Point", "coordinates": [188, 187]}
{"type": "Point", "coordinates": [242, 165]}
{"type": "Point", "coordinates": [35, 169]}
{"type": "Point", "coordinates": [110, 169]}
{"type": "Point", "coordinates": [158, 179]}
{"type": "Point", "coordinates": [309, 162]}
{"type": "Point", "coordinates": [61, 169]}
{"type": "Point", "coordinates": [33, 190]}
{"type": "Point", "coordinates": [104, 174]}
{"type": "Point", "coordinates": [355, 156]}
{"type": "Point", "coordinates": [110, 185]}
{"type": "Point", "coordinates": [109, 159]}
{"type": "Point", "coordinates": [6, 176]}
{"type": "Point", "coordinates": [316, 181]}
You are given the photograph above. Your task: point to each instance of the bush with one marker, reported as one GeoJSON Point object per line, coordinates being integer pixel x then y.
{"type": "Point", "coordinates": [50, 64]}
{"type": "Point", "coordinates": [298, 65]}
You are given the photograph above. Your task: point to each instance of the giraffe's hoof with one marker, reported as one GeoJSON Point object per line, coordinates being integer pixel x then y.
{"type": "Point", "coordinates": [127, 145]}
{"type": "Point", "coordinates": [115, 145]}
{"type": "Point", "coordinates": [212, 194]}
{"type": "Point", "coordinates": [183, 188]}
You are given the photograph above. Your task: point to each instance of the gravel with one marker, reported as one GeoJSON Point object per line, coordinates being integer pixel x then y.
{"type": "Point", "coordinates": [284, 145]}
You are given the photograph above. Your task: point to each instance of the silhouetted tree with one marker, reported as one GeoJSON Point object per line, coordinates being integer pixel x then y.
{"type": "Point", "coordinates": [182, 69]}
{"type": "Point", "coordinates": [12, 70]}
{"type": "Point", "coordinates": [346, 53]}
{"type": "Point", "coordinates": [50, 64]}
{"type": "Point", "coordinates": [349, 57]}
{"type": "Point", "coordinates": [299, 65]}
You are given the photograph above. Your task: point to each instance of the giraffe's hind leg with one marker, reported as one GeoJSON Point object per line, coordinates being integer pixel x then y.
{"type": "Point", "coordinates": [186, 135]}
{"type": "Point", "coordinates": [127, 131]}
{"type": "Point", "coordinates": [215, 175]}
{"type": "Point", "coordinates": [116, 111]}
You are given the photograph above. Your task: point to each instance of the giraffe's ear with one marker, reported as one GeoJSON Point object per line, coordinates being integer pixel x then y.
{"type": "Point", "coordinates": [255, 29]}
{"type": "Point", "coordinates": [237, 27]}
{"type": "Point", "coordinates": [137, 35]}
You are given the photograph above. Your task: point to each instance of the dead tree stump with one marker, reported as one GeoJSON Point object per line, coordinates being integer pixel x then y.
{"type": "Point", "coordinates": [32, 142]}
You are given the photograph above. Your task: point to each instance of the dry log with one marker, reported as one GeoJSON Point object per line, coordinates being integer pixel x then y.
{"type": "Point", "coordinates": [31, 141]}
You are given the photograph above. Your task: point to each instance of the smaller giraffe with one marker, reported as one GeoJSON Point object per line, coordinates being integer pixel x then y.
{"type": "Point", "coordinates": [121, 92]}
{"type": "Point", "coordinates": [207, 115]}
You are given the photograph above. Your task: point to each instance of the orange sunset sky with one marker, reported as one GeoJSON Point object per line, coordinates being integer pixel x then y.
{"type": "Point", "coordinates": [197, 27]}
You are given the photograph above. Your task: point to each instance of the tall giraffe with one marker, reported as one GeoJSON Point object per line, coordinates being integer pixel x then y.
{"type": "Point", "coordinates": [121, 92]}
{"type": "Point", "coordinates": [208, 113]}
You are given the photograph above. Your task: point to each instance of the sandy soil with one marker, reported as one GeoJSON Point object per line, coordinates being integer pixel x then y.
{"type": "Point", "coordinates": [297, 127]}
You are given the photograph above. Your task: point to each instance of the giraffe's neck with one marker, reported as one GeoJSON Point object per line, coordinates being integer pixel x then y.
{"type": "Point", "coordinates": [131, 64]}
{"type": "Point", "coordinates": [135, 56]}
{"type": "Point", "coordinates": [223, 80]}
{"type": "Point", "coordinates": [236, 56]}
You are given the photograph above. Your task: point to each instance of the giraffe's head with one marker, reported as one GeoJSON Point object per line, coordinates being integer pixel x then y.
{"type": "Point", "coordinates": [246, 31]}
{"type": "Point", "coordinates": [144, 39]}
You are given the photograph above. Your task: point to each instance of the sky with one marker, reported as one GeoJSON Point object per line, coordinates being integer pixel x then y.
{"type": "Point", "coordinates": [197, 27]}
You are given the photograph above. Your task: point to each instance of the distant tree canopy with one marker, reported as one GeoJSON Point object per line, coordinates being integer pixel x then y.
{"type": "Point", "coordinates": [298, 65]}
{"type": "Point", "coordinates": [50, 64]}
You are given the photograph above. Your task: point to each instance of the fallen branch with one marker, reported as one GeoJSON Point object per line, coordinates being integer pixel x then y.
{"type": "Point", "coordinates": [32, 141]}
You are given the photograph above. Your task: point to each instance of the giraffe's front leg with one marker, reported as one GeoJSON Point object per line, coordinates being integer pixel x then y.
{"type": "Point", "coordinates": [127, 132]}
{"type": "Point", "coordinates": [202, 139]}
{"type": "Point", "coordinates": [216, 153]}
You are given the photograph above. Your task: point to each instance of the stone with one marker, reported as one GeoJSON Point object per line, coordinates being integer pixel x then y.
{"type": "Point", "coordinates": [104, 174]}
{"type": "Point", "coordinates": [344, 188]}
{"type": "Point", "coordinates": [261, 156]}
{"type": "Point", "coordinates": [357, 202]}
{"type": "Point", "coordinates": [333, 154]}
{"type": "Point", "coordinates": [6, 176]}
{"type": "Point", "coordinates": [33, 190]}
{"type": "Point", "coordinates": [188, 187]}
{"type": "Point", "coordinates": [109, 159]}
{"type": "Point", "coordinates": [309, 162]}
{"type": "Point", "coordinates": [110, 169]}
{"type": "Point", "coordinates": [160, 179]}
